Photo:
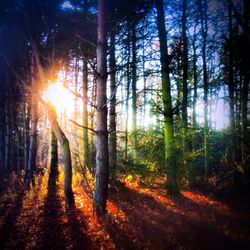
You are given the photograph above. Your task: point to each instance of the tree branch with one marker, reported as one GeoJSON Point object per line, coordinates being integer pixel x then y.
{"type": "Point", "coordinates": [79, 125]}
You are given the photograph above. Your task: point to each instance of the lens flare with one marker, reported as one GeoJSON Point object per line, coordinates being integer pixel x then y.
{"type": "Point", "coordinates": [60, 98]}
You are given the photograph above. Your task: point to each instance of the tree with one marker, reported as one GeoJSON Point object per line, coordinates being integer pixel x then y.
{"type": "Point", "coordinates": [184, 76]}
{"type": "Point", "coordinates": [112, 111]}
{"type": "Point", "coordinates": [85, 113]}
{"type": "Point", "coordinates": [102, 155]}
{"type": "Point", "coordinates": [34, 113]}
{"type": "Point", "coordinates": [204, 28]}
{"type": "Point", "coordinates": [167, 100]}
{"type": "Point", "coordinates": [60, 136]}
{"type": "Point", "coordinates": [53, 152]}
{"type": "Point", "coordinates": [133, 83]}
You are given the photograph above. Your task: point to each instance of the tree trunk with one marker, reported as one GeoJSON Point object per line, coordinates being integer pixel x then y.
{"type": "Point", "coordinates": [7, 142]}
{"type": "Point", "coordinates": [184, 77]}
{"type": "Point", "coordinates": [102, 156]}
{"type": "Point", "coordinates": [66, 153]}
{"type": "Point", "coordinates": [245, 90]}
{"type": "Point", "coordinates": [34, 115]}
{"type": "Point", "coordinates": [91, 139]}
{"type": "Point", "coordinates": [144, 85]}
{"type": "Point", "coordinates": [134, 98]}
{"type": "Point", "coordinates": [7, 130]}
{"type": "Point", "coordinates": [33, 137]}
{"type": "Point", "coordinates": [85, 114]}
{"type": "Point", "coordinates": [2, 120]}
{"type": "Point", "coordinates": [167, 101]}
{"type": "Point", "coordinates": [195, 95]}
{"type": "Point", "coordinates": [53, 152]}
{"type": "Point", "coordinates": [231, 90]}
{"type": "Point", "coordinates": [26, 121]}
{"type": "Point", "coordinates": [127, 97]}
{"type": "Point", "coordinates": [112, 112]}
{"type": "Point", "coordinates": [205, 87]}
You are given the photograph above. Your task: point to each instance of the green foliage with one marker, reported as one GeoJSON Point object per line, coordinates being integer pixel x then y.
{"type": "Point", "coordinates": [150, 151]}
{"type": "Point", "coordinates": [218, 149]}
{"type": "Point", "coordinates": [149, 157]}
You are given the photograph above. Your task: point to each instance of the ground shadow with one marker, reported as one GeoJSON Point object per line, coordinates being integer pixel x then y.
{"type": "Point", "coordinates": [153, 225]}
{"type": "Point", "coordinates": [11, 210]}
{"type": "Point", "coordinates": [120, 237]}
{"type": "Point", "coordinates": [206, 229]}
{"type": "Point", "coordinates": [77, 228]}
{"type": "Point", "coordinates": [52, 234]}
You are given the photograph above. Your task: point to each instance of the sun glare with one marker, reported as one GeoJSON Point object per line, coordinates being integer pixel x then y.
{"type": "Point", "coordinates": [60, 98]}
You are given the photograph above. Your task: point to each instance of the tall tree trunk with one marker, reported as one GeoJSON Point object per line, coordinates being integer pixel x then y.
{"type": "Point", "coordinates": [205, 86]}
{"type": "Point", "coordinates": [60, 136]}
{"type": "Point", "coordinates": [195, 95]}
{"type": "Point", "coordinates": [102, 156]}
{"type": "Point", "coordinates": [231, 90]}
{"type": "Point", "coordinates": [53, 152]}
{"type": "Point", "coordinates": [167, 101]}
{"type": "Point", "coordinates": [7, 141]}
{"type": "Point", "coordinates": [26, 121]}
{"type": "Point", "coordinates": [245, 122]}
{"type": "Point", "coordinates": [179, 89]}
{"type": "Point", "coordinates": [144, 84]}
{"type": "Point", "coordinates": [92, 116]}
{"type": "Point", "coordinates": [2, 119]}
{"type": "Point", "coordinates": [85, 113]}
{"type": "Point", "coordinates": [34, 114]}
{"type": "Point", "coordinates": [112, 112]}
{"type": "Point", "coordinates": [7, 128]}
{"type": "Point", "coordinates": [245, 89]}
{"type": "Point", "coordinates": [134, 98]}
{"type": "Point", "coordinates": [76, 88]}
{"type": "Point", "coordinates": [76, 74]}
{"type": "Point", "coordinates": [127, 96]}
{"type": "Point", "coordinates": [19, 143]}
{"type": "Point", "coordinates": [184, 77]}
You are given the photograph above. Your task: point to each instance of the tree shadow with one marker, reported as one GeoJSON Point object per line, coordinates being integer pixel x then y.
{"type": "Point", "coordinates": [153, 225]}
{"type": "Point", "coordinates": [52, 234]}
{"type": "Point", "coordinates": [77, 228]}
{"type": "Point", "coordinates": [121, 238]}
{"type": "Point", "coordinates": [205, 230]}
{"type": "Point", "coordinates": [11, 209]}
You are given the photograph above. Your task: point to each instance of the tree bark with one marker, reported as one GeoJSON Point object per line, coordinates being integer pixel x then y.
{"type": "Point", "coordinates": [6, 141]}
{"type": "Point", "coordinates": [205, 86]}
{"type": "Point", "coordinates": [231, 90]}
{"type": "Point", "coordinates": [102, 156]}
{"type": "Point", "coordinates": [112, 111]}
{"type": "Point", "coordinates": [195, 95]}
{"type": "Point", "coordinates": [245, 89]}
{"type": "Point", "coordinates": [134, 97]}
{"type": "Point", "coordinates": [34, 115]}
{"type": "Point", "coordinates": [127, 96]}
{"type": "Point", "coordinates": [26, 121]}
{"type": "Point", "coordinates": [167, 101]}
{"type": "Point", "coordinates": [66, 153]}
{"type": "Point", "coordinates": [184, 77]}
{"type": "Point", "coordinates": [53, 152]}
{"type": "Point", "coordinates": [85, 114]}
{"type": "Point", "coordinates": [92, 117]}
{"type": "Point", "coordinates": [2, 119]}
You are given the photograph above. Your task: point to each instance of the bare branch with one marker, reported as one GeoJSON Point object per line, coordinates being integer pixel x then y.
{"type": "Point", "coordinates": [85, 40]}
{"type": "Point", "coordinates": [79, 95]}
{"type": "Point", "coordinates": [79, 125]}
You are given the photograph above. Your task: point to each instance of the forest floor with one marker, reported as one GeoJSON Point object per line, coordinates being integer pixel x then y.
{"type": "Point", "coordinates": [139, 217]}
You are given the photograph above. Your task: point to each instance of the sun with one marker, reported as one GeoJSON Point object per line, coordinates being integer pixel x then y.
{"type": "Point", "coordinates": [61, 98]}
